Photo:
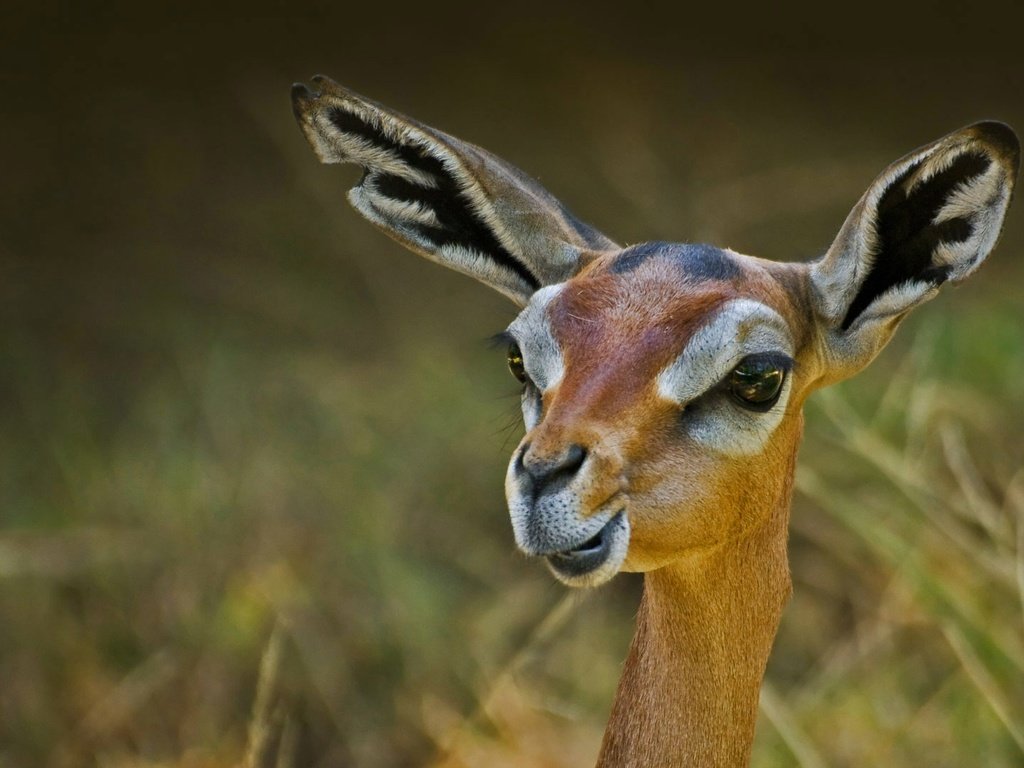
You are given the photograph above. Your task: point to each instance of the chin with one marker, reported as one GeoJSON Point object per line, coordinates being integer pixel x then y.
{"type": "Point", "coordinates": [597, 560]}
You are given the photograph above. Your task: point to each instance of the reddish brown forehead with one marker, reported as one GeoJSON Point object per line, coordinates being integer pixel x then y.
{"type": "Point", "coordinates": [628, 315]}
{"type": "Point", "coordinates": [616, 331]}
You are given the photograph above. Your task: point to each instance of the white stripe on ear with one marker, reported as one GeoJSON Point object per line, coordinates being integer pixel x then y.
{"type": "Point", "coordinates": [930, 218]}
{"type": "Point", "coordinates": [410, 211]}
{"type": "Point", "coordinates": [444, 199]}
{"type": "Point", "coordinates": [983, 201]}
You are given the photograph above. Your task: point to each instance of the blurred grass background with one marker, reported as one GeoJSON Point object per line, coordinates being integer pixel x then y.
{"type": "Point", "coordinates": [240, 430]}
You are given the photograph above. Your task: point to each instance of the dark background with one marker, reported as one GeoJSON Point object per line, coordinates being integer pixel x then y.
{"type": "Point", "coordinates": [228, 405]}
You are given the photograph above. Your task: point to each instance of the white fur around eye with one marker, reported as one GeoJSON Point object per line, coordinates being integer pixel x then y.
{"type": "Point", "coordinates": [726, 427]}
{"type": "Point", "coordinates": [740, 328]}
{"type": "Point", "coordinates": [542, 357]}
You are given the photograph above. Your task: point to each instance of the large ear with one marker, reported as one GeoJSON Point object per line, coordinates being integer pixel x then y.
{"type": "Point", "coordinates": [930, 218]}
{"type": "Point", "coordinates": [447, 200]}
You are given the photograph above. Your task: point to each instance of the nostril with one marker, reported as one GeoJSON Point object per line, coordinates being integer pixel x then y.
{"type": "Point", "coordinates": [574, 459]}
{"type": "Point", "coordinates": [520, 461]}
{"type": "Point", "coordinates": [545, 471]}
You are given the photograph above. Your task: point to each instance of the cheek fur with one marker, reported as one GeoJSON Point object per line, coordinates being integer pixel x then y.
{"type": "Point", "coordinates": [686, 498]}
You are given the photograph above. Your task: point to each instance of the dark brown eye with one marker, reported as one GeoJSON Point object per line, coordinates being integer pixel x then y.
{"type": "Point", "coordinates": [515, 362]}
{"type": "Point", "coordinates": [757, 382]}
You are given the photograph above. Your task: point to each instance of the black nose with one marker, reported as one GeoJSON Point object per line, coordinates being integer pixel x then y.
{"type": "Point", "coordinates": [548, 471]}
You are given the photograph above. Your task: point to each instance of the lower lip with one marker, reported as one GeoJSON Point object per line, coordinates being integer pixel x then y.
{"type": "Point", "coordinates": [586, 559]}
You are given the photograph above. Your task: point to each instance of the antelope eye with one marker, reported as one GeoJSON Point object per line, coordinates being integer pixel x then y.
{"type": "Point", "coordinates": [515, 362]}
{"type": "Point", "coordinates": [757, 382]}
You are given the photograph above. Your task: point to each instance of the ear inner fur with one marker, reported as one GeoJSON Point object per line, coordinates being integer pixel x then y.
{"type": "Point", "coordinates": [906, 232]}
{"type": "Point", "coordinates": [447, 200]}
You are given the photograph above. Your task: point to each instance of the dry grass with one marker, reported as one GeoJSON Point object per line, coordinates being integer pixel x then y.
{"type": "Point", "coordinates": [252, 453]}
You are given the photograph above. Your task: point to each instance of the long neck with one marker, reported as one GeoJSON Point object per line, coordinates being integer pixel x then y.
{"type": "Point", "coordinates": [689, 690]}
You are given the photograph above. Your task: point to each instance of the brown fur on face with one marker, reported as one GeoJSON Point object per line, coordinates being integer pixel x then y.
{"type": "Point", "coordinates": [617, 331]}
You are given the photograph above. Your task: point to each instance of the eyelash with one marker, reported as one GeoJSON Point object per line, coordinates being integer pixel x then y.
{"type": "Point", "coordinates": [724, 389]}
{"type": "Point", "coordinates": [739, 384]}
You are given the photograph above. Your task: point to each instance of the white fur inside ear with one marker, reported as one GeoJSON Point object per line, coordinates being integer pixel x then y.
{"type": "Point", "coordinates": [976, 206]}
{"type": "Point", "coordinates": [527, 225]}
{"type": "Point", "coordinates": [896, 301]}
{"type": "Point", "coordinates": [484, 268]}
{"type": "Point", "coordinates": [465, 260]}
{"type": "Point", "coordinates": [931, 163]}
{"type": "Point", "coordinates": [332, 145]}
{"type": "Point", "coordinates": [973, 195]}
{"type": "Point", "coordinates": [982, 201]}
{"type": "Point", "coordinates": [429, 190]}
{"type": "Point", "coordinates": [385, 160]}
{"type": "Point", "coordinates": [404, 212]}
{"type": "Point", "coordinates": [837, 277]}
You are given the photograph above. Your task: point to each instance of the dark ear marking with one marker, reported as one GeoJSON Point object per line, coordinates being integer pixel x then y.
{"type": "Point", "coordinates": [434, 190]}
{"type": "Point", "coordinates": [929, 219]}
{"type": "Point", "coordinates": [350, 123]}
{"type": "Point", "coordinates": [444, 199]}
{"type": "Point", "coordinates": [457, 225]}
{"type": "Point", "coordinates": [907, 233]}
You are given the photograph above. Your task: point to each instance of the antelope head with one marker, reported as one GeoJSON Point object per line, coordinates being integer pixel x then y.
{"type": "Point", "coordinates": [662, 383]}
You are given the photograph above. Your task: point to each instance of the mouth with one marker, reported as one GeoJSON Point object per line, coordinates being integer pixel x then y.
{"type": "Point", "coordinates": [595, 560]}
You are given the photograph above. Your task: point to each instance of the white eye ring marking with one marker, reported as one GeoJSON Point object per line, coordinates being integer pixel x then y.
{"type": "Point", "coordinates": [740, 328]}
{"type": "Point", "coordinates": [542, 357]}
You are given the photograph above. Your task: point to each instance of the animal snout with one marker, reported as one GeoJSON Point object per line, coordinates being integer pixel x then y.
{"type": "Point", "coordinates": [549, 472]}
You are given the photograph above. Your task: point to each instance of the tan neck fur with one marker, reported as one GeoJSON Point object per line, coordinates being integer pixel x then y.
{"type": "Point", "coordinates": [689, 690]}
